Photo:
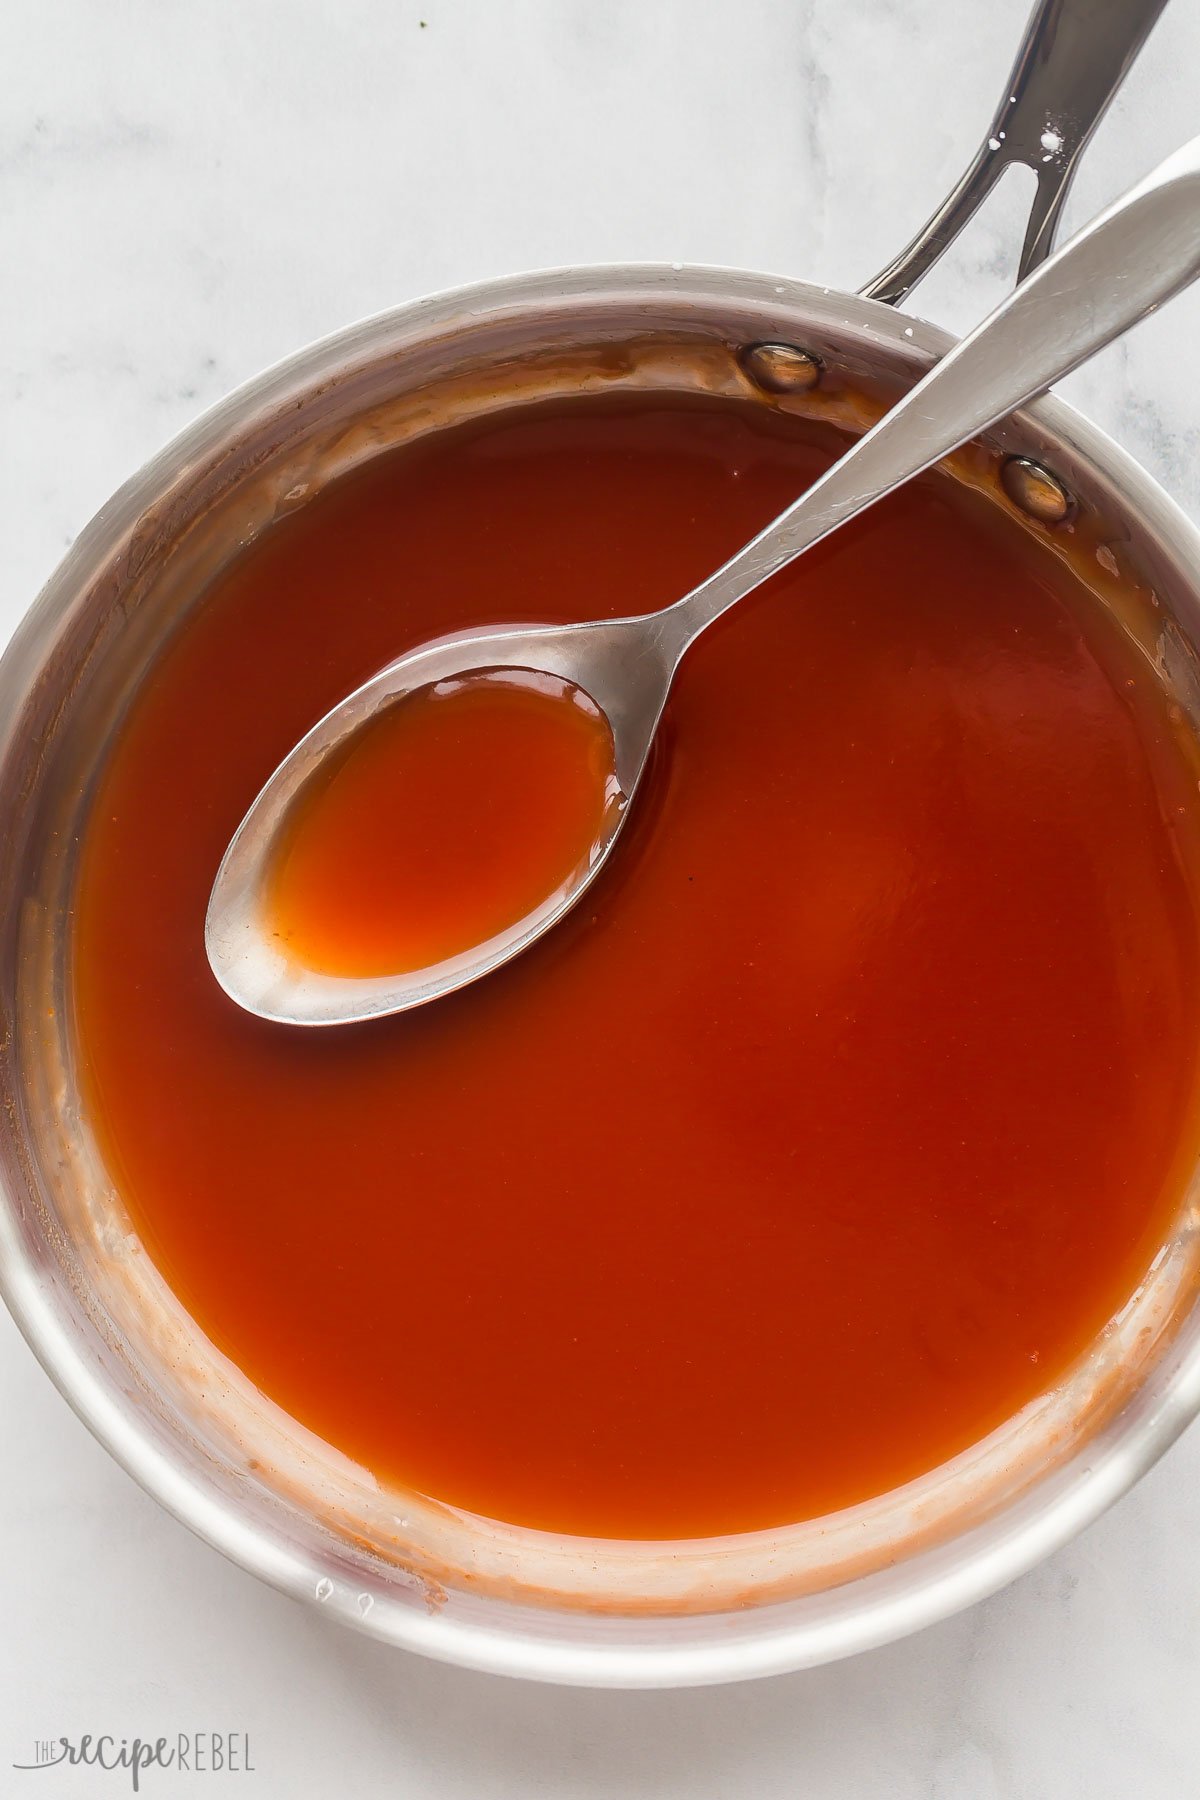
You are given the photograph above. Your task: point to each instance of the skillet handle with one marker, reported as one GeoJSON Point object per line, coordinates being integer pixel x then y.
{"type": "Point", "coordinates": [1073, 58]}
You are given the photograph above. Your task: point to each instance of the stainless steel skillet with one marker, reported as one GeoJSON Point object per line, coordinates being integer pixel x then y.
{"type": "Point", "coordinates": [184, 1422]}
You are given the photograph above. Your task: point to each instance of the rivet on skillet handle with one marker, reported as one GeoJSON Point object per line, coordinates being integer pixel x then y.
{"type": "Point", "coordinates": [1072, 60]}
{"type": "Point", "coordinates": [781, 368]}
{"type": "Point", "coordinates": [1035, 490]}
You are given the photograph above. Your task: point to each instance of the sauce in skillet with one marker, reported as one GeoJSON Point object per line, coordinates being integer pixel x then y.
{"type": "Point", "coordinates": [824, 1134]}
{"type": "Point", "coordinates": [448, 818]}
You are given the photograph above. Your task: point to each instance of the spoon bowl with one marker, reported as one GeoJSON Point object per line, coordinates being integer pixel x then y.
{"type": "Point", "coordinates": [625, 665]}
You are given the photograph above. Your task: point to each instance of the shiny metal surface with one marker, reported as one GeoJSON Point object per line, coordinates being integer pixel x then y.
{"type": "Point", "coordinates": [1035, 490]}
{"type": "Point", "coordinates": [1072, 60]}
{"type": "Point", "coordinates": [1134, 256]}
{"type": "Point", "coordinates": [781, 368]}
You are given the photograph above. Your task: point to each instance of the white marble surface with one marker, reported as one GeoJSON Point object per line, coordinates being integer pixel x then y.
{"type": "Point", "coordinates": [188, 192]}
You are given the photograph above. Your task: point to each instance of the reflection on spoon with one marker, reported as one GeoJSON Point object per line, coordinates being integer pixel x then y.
{"type": "Point", "coordinates": [442, 823]}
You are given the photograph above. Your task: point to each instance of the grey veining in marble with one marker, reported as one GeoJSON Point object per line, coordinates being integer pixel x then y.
{"type": "Point", "coordinates": [187, 193]}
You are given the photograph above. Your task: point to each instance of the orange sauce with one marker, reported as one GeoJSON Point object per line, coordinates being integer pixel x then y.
{"type": "Point", "coordinates": [448, 818]}
{"type": "Point", "coordinates": [824, 1134]}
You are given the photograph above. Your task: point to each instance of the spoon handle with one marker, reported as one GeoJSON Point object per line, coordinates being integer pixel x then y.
{"type": "Point", "coordinates": [1135, 255]}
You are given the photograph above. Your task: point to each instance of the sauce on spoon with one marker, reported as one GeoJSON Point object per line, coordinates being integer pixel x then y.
{"type": "Point", "coordinates": [443, 822]}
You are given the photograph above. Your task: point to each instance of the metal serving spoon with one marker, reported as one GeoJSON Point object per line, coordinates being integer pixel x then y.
{"type": "Point", "coordinates": [1135, 255]}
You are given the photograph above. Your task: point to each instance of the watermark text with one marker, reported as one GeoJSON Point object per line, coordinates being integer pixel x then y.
{"type": "Point", "coordinates": [198, 1752]}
